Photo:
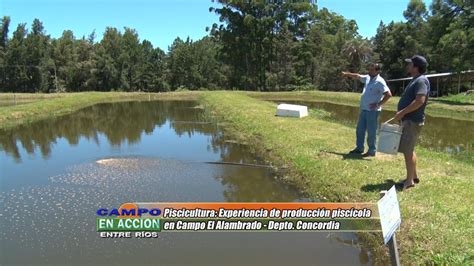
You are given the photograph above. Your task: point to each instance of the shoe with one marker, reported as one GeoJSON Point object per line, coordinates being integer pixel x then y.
{"type": "Point", "coordinates": [356, 151]}
{"type": "Point", "coordinates": [407, 187]}
{"type": "Point", "coordinates": [401, 186]}
{"type": "Point", "coordinates": [368, 154]}
{"type": "Point", "coordinates": [416, 180]}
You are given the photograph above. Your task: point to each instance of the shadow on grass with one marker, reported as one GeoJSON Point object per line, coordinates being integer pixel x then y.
{"type": "Point", "coordinates": [382, 186]}
{"type": "Point", "coordinates": [347, 156]}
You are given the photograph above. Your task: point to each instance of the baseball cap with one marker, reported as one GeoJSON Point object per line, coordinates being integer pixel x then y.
{"type": "Point", "coordinates": [418, 61]}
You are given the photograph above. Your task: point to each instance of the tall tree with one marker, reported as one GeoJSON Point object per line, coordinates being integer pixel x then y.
{"type": "Point", "coordinates": [4, 27]}
{"type": "Point", "coordinates": [416, 13]}
{"type": "Point", "coordinates": [130, 59]}
{"type": "Point", "coordinates": [16, 65]}
{"type": "Point", "coordinates": [282, 73]}
{"type": "Point", "coordinates": [108, 68]}
{"type": "Point", "coordinates": [151, 70]}
{"type": "Point", "coordinates": [358, 52]}
{"type": "Point", "coordinates": [64, 60]}
{"type": "Point", "coordinates": [37, 58]}
{"type": "Point", "coordinates": [451, 35]}
{"type": "Point", "coordinates": [248, 36]}
{"type": "Point", "coordinates": [319, 57]}
{"type": "Point", "coordinates": [273, 45]}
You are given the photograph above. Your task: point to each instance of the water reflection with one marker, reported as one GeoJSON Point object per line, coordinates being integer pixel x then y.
{"type": "Point", "coordinates": [121, 122]}
{"type": "Point", "coordinates": [108, 154]}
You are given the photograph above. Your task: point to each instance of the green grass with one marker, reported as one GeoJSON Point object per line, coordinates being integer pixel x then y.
{"type": "Point", "coordinates": [440, 108]}
{"type": "Point", "coordinates": [43, 106]}
{"type": "Point", "coordinates": [437, 214]}
{"type": "Point", "coordinates": [31, 96]}
{"type": "Point", "coordinates": [457, 99]}
{"type": "Point", "coordinates": [437, 217]}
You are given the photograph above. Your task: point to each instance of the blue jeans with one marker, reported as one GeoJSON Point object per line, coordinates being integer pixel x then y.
{"type": "Point", "coordinates": [368, 121]}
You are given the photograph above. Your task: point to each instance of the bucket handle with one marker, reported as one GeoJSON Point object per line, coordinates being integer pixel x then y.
{"type": "Point", "coordinates": [388, 121]}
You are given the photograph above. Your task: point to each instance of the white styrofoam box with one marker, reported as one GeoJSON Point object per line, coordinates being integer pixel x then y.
{"type": "Point", "coordinates": [292, 110]}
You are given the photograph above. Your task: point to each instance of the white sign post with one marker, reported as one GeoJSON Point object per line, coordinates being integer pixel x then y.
{"type": "Point", "coordinates": [390, 219]}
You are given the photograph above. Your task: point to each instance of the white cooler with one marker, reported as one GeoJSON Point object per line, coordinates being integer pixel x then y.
{"type": "Point", "coordinates": [292, 110]}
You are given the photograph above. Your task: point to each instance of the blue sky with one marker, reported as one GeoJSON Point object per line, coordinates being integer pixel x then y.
{"type": "Point", "coordinates": [161, 21]}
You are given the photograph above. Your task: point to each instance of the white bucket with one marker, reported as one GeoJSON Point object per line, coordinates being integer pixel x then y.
{"type": "Point", "coordinates": [389, 138]}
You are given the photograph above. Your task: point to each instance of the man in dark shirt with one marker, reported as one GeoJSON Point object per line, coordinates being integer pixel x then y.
{"type": "Point", "coordinates": [411, 113]}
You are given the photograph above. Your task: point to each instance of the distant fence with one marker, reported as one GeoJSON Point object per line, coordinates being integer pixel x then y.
{"type": "Point", "coordinates": [441, 83]}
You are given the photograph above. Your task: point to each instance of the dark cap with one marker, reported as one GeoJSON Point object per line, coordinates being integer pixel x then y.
{"type": "Point", "coordinates": [418, 61]}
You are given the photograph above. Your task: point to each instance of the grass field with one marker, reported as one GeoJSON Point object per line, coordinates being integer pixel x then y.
{"type": "Point", "coordinates": [457, 99]}
{"type": "Point", "coordinates": [436, 227]}
{"type": "Point", "coordinates": [437, 216]}
{"type": "Point", "coordinates": [36, 106]}
{"type": "Point", "coordinates": [452, 107]}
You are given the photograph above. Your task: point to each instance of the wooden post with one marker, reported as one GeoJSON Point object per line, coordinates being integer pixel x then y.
{"type": "Point", "coordinates": [55, 78]}
{"type": "Point", "coordinates": [459, 83]}
{"type": "Point", "coordinates": [437, 87]}
{"type": "Point", "coordinates": [392, 243]}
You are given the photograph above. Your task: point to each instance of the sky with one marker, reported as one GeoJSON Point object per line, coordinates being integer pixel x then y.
{"type": "Point", "coordinates": [161, 21]}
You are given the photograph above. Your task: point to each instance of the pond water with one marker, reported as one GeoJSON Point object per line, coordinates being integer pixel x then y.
{"type": "Point", "coordinates": [56, 173]}
{"type": "Point", "coordinates": [438, 133]}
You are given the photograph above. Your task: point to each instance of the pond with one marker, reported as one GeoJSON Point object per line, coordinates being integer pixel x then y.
{"type": "Point", "coordinates": [438, 133]}
{"type": "Point", "coordinates": [56, 173]}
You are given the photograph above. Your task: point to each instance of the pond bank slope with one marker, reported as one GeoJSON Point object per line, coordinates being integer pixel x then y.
{"type": "Point", "coordinates": [437, 215]}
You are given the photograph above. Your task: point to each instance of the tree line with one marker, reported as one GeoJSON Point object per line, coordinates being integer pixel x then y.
{"type": "Point", "coordinates": [257, 45]}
